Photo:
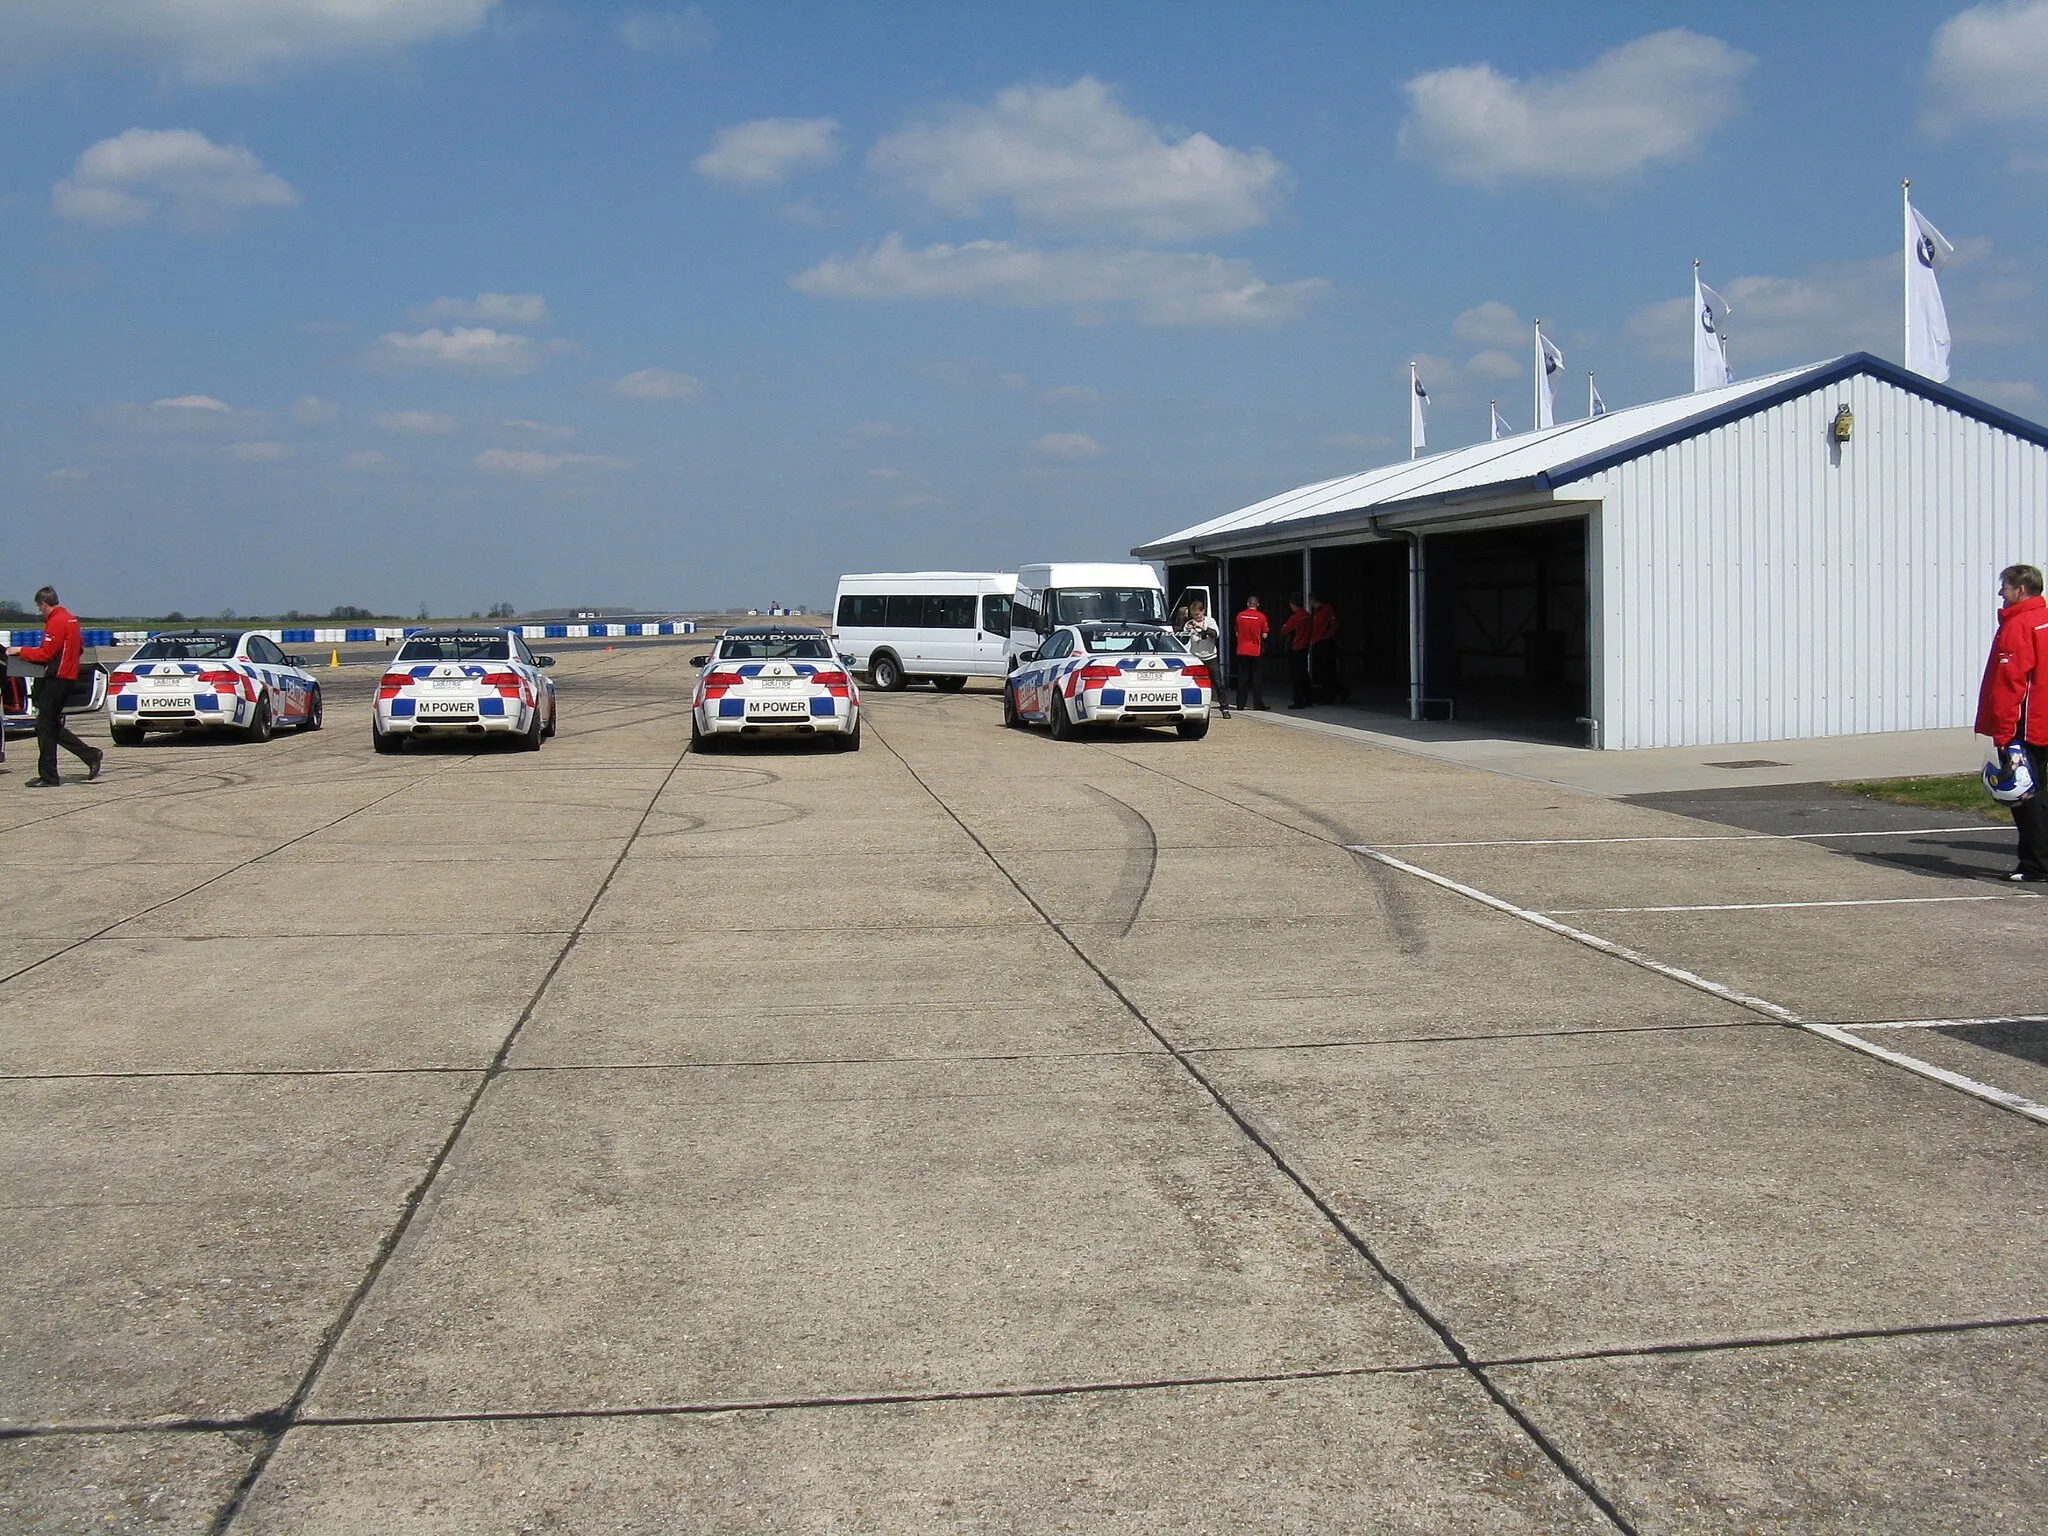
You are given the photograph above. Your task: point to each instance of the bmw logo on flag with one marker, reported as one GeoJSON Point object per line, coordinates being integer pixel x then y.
{"type": "Point", "coordinates": [1926, 249]}
{"type": "Point", "coordinates": [1707, 318]}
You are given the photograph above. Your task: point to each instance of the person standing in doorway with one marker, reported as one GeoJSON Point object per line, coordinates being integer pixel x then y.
{"type": "Point", "coordinates": [2007, 711]}
{"type": "Point", "coordinates": [1294, 630]}
{"type": "Point", "coordinates": [1326, 668]}
{"type": "Point", "coordinates": [58, 657]}
{"type": "Point", "coordinates": [1249, 629]}
{"type": "Point", "coordinates": [1205, 643]}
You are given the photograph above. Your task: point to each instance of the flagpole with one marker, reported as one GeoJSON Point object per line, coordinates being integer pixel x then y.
{"type": "Point", "coordinates": [1906, 268]}
{"type": "Point", "coordinates": [1590, 392]}
{"type": "Point", "coordinates": [1536, 385]}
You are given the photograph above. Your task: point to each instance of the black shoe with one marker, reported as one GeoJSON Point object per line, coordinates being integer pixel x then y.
{"type": "Point", "coordinates": [42, 783]}
{"type": "Point", "coordinates": [98, 761]}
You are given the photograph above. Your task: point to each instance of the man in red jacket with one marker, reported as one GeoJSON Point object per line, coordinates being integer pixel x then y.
{"type": "Point", "coordinates": [2012, 707]}
{"type": "Point", "coordinates": [1251, 628]}
{"type": "Point", "coordinates": [58, 655]}
{"type": "Point", "coordinates": [1295, 632]}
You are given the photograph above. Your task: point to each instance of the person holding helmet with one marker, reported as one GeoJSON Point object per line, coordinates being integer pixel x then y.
{"type": "Point", "coordinates": [58, 656]}
{"type": "Point", "coordinates": [2011, 714]}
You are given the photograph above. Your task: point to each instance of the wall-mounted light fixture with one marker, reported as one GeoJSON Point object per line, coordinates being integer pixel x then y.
{"type": "Point", "coordinates": [1844, 426]}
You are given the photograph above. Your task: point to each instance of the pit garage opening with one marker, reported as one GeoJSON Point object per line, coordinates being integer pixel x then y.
{"type": "Point", "coordinates": [1506, 626]}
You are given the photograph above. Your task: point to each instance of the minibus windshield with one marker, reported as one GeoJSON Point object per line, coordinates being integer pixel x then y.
{"type": "Point", "coordinates": [1117, 605]}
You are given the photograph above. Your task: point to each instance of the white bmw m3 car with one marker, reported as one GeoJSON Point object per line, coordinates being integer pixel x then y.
{"type": "Point", "coordinates": [464, 681]}
{"type": "Point", "coordinates": [774, 680]}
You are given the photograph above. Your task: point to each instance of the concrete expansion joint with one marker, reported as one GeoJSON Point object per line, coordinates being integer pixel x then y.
{"type": "Point", "coordinates": [293, 1411]}
{"type": "Point", "coordinates": [1407, 1295]}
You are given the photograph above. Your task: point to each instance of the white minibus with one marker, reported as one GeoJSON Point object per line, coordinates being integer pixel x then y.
{"type": "Point", "coordinates": [910, 626]}
{"type": "Point", "coordinates": [1072, 592]}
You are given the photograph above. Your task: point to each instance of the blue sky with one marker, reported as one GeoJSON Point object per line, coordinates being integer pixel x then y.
{"type": "Point", "coordinates": [454, 302]}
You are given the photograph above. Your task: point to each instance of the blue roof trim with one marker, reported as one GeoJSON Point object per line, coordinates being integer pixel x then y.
{"type": "Point", "coordinates": [1804, 384]}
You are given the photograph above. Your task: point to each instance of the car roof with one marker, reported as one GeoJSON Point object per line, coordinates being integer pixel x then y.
{"type": "Point", "coordinates": [197, 634]}
{"type": "Point", "coordinates": [770, 631]}
{"type": "Point", "coordinates": [439, 630]}
{"type": "Point", "coordinates": [1096, 626]}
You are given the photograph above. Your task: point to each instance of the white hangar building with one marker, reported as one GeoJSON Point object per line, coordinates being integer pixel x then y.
{"type": "Point", "coordinates": [1815, 553]}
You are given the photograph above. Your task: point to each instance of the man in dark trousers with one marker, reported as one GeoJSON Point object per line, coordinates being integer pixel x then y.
{"type": "Point", "coordinates": [1295, 632]}
{"type": "Point", "coordinates": [58, 657]}
{"type": "Point", "coordinates": [1249, 630]}
{"type": "Point", "coordinates": [2012, 708]}
{"type": "Point", "coordinates": [1325, 667]}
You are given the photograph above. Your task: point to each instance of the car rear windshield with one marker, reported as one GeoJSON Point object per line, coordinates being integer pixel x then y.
{"type": "Point", "coordinates": [188, 648]}
{"type": "Point", "coordinates": [1130, 642]}
{"type": "Point", "coordinates": [486, 647]}
{"type": "Point", "coordinates": [1077, 605]}
{"type": "Point", "coordinates": [759, 647]}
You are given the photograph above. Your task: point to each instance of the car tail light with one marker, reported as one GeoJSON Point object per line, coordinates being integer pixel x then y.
{"type": "Point", "coordinates": [116, 681]}
{"type": "Point", "coordinates": [836, 682]}
{"type": "Point", "coordinates": [1194, 672]}
{"type": "Point", "coordinates": [224, 681]}
{"type": "Point", "coordinates": [391, 682]}
{"type": "Point", "coordinates": [507, 683]}
{"type": "Point", "coordinates": [716, 683]}
{"type": "Point", "coordinates": [1096, 677]}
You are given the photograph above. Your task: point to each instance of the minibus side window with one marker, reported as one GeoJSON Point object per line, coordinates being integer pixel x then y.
{"type": "Point", "coordinates": [857, 612]}
{"type": "Point", "coordinates": [905, 612]}
{"type": "Point", "coordinates": [952, 612]}
{"type": "Point", "coordinates": [995, 614]}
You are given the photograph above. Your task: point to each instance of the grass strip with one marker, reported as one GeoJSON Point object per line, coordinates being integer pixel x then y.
{"type": "Point", "coordinates": [1963, 792]}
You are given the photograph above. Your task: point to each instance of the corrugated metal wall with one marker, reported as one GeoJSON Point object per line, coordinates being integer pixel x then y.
{"type": "Point", "coordinates": [1756, 584]}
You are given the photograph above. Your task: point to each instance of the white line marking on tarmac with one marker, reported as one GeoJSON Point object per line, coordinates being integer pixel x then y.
{"type": "Point", "coordinates": [1781, 906]}
{"type": "Point", "coordinates": [1836, 1033]}
{"type": "Point", "coordinates": [2015, 1018]}
{"type": "Point", "coordinates": [1591, 940]}
{"type": "Point", "coordinates": [1701, 837]}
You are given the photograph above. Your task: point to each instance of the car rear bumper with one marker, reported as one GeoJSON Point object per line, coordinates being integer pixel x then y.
{"type": "Point", "coordinates": [126, 711]}
{"type": "Point", "coordinates": [400, 717]}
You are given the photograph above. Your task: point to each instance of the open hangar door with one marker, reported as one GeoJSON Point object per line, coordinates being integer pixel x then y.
{"type": "Point", "coordinates": [1508, 627]}
{"type": "Point", "coordinates": [1368, 586]}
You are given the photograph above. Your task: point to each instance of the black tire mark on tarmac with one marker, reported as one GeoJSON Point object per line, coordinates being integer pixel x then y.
{"type": "Point", "coordinates": [1396, 896]}
{"type": "Point", "coordinates": [1141, 863]}
{"type": "Point", "coordinates": [1352, 1237]}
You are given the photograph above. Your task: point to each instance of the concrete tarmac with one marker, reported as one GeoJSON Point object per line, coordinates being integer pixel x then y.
{"type": "Point", "coordinates": [1273, 1133]}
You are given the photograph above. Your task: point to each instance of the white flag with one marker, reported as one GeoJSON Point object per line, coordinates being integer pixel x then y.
{"type": "Point", "coordinates": [1418, 414]}
{"type": "Point", "coordinates": [1595, 406]}
{"type": "Point", "coordinates": [1710, 368]}
{"type": "Point", "coordinates": [1927, 252]}
{"type": "Point", "coordinates": [1549, 364]}
{"type": "Point", "coordinates": [1500, 423]}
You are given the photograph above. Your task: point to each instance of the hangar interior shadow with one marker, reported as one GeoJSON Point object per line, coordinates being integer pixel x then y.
{"type": "Point", "coordinates": [1507, 627]}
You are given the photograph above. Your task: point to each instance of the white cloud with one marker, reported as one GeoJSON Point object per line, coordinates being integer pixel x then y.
{"type": "Point", "coordinates": [1165, 287]}
{"type": "Point", "coordinates": [1656, 98]}
{"type": "Point", "coordinates": [1494, 364]}
{"type": "Point", "coordinates": [312, 411]}
{"type": "Point", "coordinates": [192, 403]}
{"type": "Point", "coordinates": [215, 42]}
{"type": "Point", "coordinates": [685, 31]}
{"type": "Point", "coordinates": [769, 150]}
{"type": "Point", "coordinates": [1071, 157]}
{"type": "Point", "coordinates": [415, 423]}
{"type": "Point", "coordinates": [658, 384]}
{"type": "Point", "coordinates": [1852, 306]}
{"type": "Point", "coordinates": [462, 349]}
{"type": "Point", "coordinates": [365, 458]}
{"type": "Point", "coordinates": [1068, 447]}
{"type": "Point", "coordinates": [258, 453]}
{"type": "Point", "coordinates": [145, 171]}
{"type": "Point", "coordinates": [493, 308]}
{"type": "Point", "coordinates": [527, 461]}
{"type": "Point", "coordinates": [1989, 65]}
{"type": "Point", "coordinates": [541, 428]}
{"type": "Point", "coordinates": [1491, 324]}
{"type": "Point", "coordinates": [67, 475]}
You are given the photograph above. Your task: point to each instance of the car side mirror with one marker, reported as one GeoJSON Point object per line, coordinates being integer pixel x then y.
{"type": "Point", "coordinates": [698, 661]}
{"type": "Point", "coordinates": [846, 661]}
{"type": "Point", "coordinates": [1023, 656]}
{"type": "Point", "coordinates": [295, 661]}
{"type": "Point", "coordinates": [543, 661]}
